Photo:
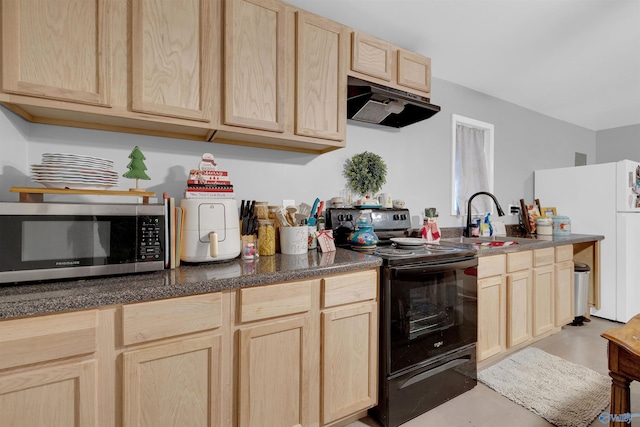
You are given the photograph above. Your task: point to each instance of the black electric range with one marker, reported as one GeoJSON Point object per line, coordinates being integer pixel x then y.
{"type": "Point", "coordinates": [428, 315]}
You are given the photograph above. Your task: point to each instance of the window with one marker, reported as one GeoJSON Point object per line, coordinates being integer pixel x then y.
{"type": "Point", "coordinates": [472, 164]}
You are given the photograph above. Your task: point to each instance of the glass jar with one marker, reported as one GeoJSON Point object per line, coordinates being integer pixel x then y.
{"type": "Point", "coordinates": [313, 241]}
{"type": "Point", "coordinates": [266, 237]}
{"type": "Point", "coordinates": [261, 210]}
{"type": "Point", "coordinates": [274, 218]}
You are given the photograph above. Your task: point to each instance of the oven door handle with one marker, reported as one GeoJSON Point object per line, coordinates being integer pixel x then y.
{"type": "Point", "coordinates": [435, 371]}
{"type": "Point", "coordinates": [469, 266]}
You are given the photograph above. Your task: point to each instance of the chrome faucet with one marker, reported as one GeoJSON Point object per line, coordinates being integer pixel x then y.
{"type": "Point", "coordinates": [467, 231]}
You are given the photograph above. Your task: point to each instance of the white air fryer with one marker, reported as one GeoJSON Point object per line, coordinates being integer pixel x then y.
{"type": "Point", "coordinates": [210, 230]}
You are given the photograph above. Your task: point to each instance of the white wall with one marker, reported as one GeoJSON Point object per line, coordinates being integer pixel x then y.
{"type": "Point", "coordinates": [618, 144]}
{"type": "Point", "coordinates": [418, 157]}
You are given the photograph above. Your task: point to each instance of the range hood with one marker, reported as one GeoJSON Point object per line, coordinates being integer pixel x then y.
{"type": "Point", "coordinates": [373, 103]}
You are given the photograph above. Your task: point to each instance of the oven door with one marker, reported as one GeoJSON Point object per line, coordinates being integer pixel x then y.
{"type": "Point", "coordinates": [428, 309]}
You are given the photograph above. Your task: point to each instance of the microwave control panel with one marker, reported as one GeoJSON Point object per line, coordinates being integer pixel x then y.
{"type": "Point", "coordinates": [151, 235]}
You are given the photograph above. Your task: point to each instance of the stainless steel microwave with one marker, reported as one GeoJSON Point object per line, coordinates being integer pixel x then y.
{"type": "Point", "coordinates": [44, 241]}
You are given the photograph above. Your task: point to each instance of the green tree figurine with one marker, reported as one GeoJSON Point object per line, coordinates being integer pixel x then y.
{"type": "Point", "coordinates": [136, 167]}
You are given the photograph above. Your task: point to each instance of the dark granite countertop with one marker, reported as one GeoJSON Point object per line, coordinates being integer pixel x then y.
{"type": "Point", "coordinates": [535, 242]}
{"type": "Point", "coordinates": [54, 297]}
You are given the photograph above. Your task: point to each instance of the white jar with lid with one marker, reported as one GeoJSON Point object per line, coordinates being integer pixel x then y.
{"type": "Point", "coordinates": [544, 226]}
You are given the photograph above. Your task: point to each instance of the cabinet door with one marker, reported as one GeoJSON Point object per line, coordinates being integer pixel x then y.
{"type": "Point", "coordinates": [254, 70]}
{"type": "Point", "coordinates": [371, 56]}
{"type": "Point", "coordinates": [518, 307]}
{"type": "Point", "coordinates": [58, 50]}
{"type": "Point", "coordinates": [321, 81]}
{"type": "Point", "coordinates": [414, 71]}
{"type": "Point", "coordinates": [64, 395]}
{"type": "Point", "coordinates": [349, 360]}
{"type": "Point", "coordinates": [171, 58]}
{"type": "Point", "coordinates": [273, 382]}
{"type": "Point", "coordinates": [543, 290]}
{"type": "Point", "coordinates": [491, 316]}
{"type": "Point", "coordinates": [175, 384]}
{"type": "Point", "coordinates": [564, 296]}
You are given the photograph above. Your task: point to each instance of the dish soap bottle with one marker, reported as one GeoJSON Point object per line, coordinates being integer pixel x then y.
{"type": "Point", "coordinates": [486, 229]}
{"type": "Point", "coordinates": [363, 237]}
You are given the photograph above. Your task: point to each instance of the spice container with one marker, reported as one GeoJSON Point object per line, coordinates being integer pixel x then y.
{"type": "Point", "coordinates": [313, 241]}
{"type": "Point", "coordinates": [266, 237]}
{"type": "Point", "coordinates": [274, 218]}
{"type": "Point", "coordinates": [261, 210]}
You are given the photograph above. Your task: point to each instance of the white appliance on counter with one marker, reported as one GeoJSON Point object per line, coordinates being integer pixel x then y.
{"type": "Point", "coordinates": [210, 230]}
{"type": "Point", "coordinates": [603, 199]}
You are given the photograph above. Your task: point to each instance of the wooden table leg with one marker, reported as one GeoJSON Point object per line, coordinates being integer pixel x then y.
{"type": "Point", "coordinates": [620, 398]}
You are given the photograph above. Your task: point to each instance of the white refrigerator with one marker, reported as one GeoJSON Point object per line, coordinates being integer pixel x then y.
{"type": "Point", "coordinates": [603, 199]}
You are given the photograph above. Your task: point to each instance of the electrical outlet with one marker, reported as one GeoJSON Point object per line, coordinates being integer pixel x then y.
{"type": "Point", "coordinates": [514, 210]}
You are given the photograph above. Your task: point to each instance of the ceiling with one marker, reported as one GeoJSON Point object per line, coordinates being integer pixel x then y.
{"type": "Point", "coordinates": [574, 60]}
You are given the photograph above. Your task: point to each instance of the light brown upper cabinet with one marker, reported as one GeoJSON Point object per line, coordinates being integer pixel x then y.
{"type": "Point", "coordinates": [259, 73]}
{"type": "Point", "coordinates": [143, 66]}
{"type": "Point", "coordinates": [371, 56]}
{"type": "Point", "coordinates": [384, 63]}
{"type": "Point", "coordinates": [414, 71]}
{"type": "Point", "coordinates": [321, 81]}
{"type": "Point", "coordinates": [284, 79]}
{"type": "Point", "coordinates": [57, 51]}
{"type": "Point", "coordinates": [171, 64]}
{"type": "Point", "coordinates": [254, 69]}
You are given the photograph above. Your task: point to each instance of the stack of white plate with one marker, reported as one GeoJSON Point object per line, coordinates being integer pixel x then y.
{"type": "Point", "coordinates": [74, 171]}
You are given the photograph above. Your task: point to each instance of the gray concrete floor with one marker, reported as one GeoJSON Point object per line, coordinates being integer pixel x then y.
{"type": "Point", "coordinates": [483, 407]}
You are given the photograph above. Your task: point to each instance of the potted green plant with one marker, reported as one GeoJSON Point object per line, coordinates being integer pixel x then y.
{"type": "Point", "coordinates": [366, 173]}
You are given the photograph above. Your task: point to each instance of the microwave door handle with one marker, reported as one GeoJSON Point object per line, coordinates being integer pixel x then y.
{"type": "Point", "coordinates": [213, 244]}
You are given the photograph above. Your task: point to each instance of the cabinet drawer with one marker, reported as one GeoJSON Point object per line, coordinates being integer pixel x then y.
{"type": "Point", "coordinates": [564, 253]}
{"type": "Point", "coordinates": [491, 265]}
{"type": "Point", "coordinates": [517, 261]}
{"type": "Point", "coordinates": [544, 256]}
{"type": "Point", "coordinates": [348, 288]}
{"type": "Point", "coordinates": [147, 321]}
{"type": "Point", "coordinates": [269, 301]}
{"type": "Point", "coordinates": [39, 339]}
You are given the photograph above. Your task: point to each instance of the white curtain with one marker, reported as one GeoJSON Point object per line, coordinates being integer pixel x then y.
{"type": "Point", "coordinates": [471, 164]}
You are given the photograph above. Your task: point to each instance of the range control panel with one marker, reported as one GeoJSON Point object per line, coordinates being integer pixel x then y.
{"type": "Point", "coordinates": [382, 219]}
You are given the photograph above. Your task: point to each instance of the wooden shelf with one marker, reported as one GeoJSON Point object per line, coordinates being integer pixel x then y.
{"type": "Point", "coordinates": [36, 195]}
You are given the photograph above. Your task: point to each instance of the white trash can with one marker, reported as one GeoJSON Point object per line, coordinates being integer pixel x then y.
{"type": "Point", "coordinates": [581, 274]}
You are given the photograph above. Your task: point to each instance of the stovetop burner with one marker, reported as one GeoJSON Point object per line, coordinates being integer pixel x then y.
{"type": "Point", "coordinates": [395, 255]}
{"type": "Point", "coordinates": [393, 252]}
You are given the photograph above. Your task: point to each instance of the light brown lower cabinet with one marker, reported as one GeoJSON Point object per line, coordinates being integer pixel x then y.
{"type": "Point", "coordinates": [64, 395]}
{"type": "Point", "coordinates": [543, 290]}
{"type": "Point", "coordinates": [349, 360]}
{"type": "Point", "coordinates": [564, 291]}
{"type": "Point", "coordinates": [295, 353]}
{"type": "Point", "coordinates": [518, 297]}
{"type": "Point", "coordinates": [523, 296]}
{"type": "Point", "coordinates": [172, 362]}
{"type": "Point", "coordinates": [518, 307]}
{"type": "Point", "coordinates": [307, 350]}
{"type": "Point", "coordinates": [175, 384]}
{"type": "Point", "coordinates": [273, 376]}
{"type": "Point", "coordinates": [48, 371]}
{"type": "Point", "coordinates": [492, 306]}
